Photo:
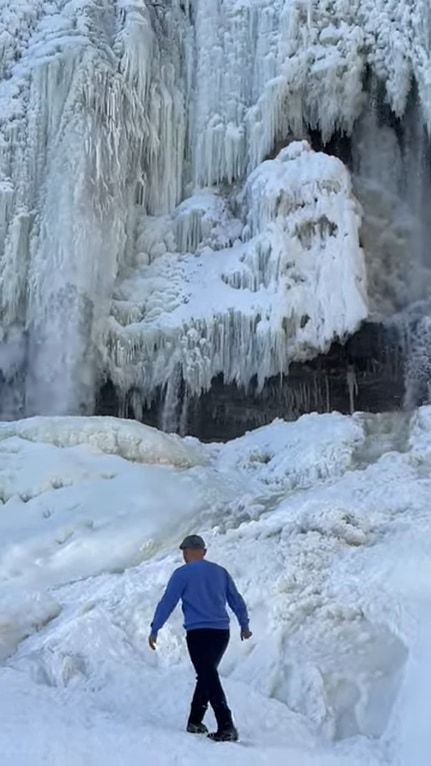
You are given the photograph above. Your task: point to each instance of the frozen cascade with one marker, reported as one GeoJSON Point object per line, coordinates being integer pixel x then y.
{"type": "Point", "coordinates": [115, 112]}
{"type": "Point", "coordinates": [416, 319]}
{"type": "Point", "coordinates": [392, 180]}
{"type": "Point", "coordinates": [94, 108]}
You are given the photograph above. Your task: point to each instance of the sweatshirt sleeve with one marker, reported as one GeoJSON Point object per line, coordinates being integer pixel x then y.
{"type": "Point", "coordinates": [236, 603]}
{"type": "Point", "coordinates": [168, 602]}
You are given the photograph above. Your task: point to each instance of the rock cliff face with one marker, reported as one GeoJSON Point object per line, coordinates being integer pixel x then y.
{"type": "Point", "coordinates": [202, 190]}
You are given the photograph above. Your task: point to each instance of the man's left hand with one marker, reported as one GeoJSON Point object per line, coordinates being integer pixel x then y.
{"type": "Point", "coordinates": [152, 641]}
{"type": "Point", "coordinates": [245, 634]}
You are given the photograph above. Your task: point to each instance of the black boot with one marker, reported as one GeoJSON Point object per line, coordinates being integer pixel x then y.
{"type": "Point", "coordinates": [194, 724]}
{"type": "Point", "coordinates": [226, 731]}
{"type": "Point", "coordinates": [197, 728]}
{"type": "Point", "coordinates": [224, 735]}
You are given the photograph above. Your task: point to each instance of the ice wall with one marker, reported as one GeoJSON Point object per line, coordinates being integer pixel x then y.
{"type": "Point", "coordinates": [112, 111]}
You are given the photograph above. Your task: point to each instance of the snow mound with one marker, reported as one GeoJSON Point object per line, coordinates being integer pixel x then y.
{"type": "Point", "coordinates": [286, 456]}
{"type": "Point", "coordinates": [125, 438]}
{"type": "Point", "coordinates": [69, 486]}
{"type": "Point", "coordinates": [419, 441]}
{"type": "Point", "coordinates": [21, 614]}
{"type": "Point", "coordinates": [116, 516]}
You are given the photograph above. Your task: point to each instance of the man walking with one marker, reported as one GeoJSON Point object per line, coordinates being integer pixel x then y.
{"type": "Point", "coordinates": [204, 588]}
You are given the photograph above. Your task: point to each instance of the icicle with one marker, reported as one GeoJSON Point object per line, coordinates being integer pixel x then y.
{"type": "Point", "coordinates": [170, 420]}
{"type": "Point", "coordinates": [352, 386]}
{"type": "Point", "coordinates": [327, 394]}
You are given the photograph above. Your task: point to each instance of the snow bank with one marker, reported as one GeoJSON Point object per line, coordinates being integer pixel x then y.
{"type": "Point", "coordinates": [286, 456]}
{"type": "Point", "coordinates": [73, 511]}
{"type": "Point", "coordinates": [125, 438]}
{"type": "Point", "coordinates": [419, 434]}
{"type": "Point", "coordinates": [21, 614]}
{"type": "Point", "coordinates": [80, 496]}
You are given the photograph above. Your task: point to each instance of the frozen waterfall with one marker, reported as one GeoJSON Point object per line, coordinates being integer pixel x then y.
{"type": "Point", "coordinates": [92, 122]}
{"type": "Point", "coordinates": [164, 216]}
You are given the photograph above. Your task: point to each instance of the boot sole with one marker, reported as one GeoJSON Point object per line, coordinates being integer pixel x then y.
{"type": "Point", "coordinates": [204, 732]}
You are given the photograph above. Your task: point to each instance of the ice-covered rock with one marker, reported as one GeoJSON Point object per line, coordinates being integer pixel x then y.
{"type": "Point", "coordinates": [292, 283]}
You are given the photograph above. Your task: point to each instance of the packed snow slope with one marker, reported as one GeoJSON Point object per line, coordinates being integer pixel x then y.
{"type": "Point", "coordinates": [325, 525]}
{"type": "Point", "coordinates": [114, 114]}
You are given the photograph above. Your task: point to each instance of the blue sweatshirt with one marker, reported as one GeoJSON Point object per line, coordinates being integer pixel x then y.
{"type": "Point", "coordinates": [204, 589]}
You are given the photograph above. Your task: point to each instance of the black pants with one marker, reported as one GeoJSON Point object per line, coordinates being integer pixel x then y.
{"type": "Point", "coordinates": [206, 648]}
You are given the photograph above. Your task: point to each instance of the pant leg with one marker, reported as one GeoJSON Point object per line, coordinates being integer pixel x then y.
{"type": "Point", "coordinates": [206, 648]}
{"type": "Point", "coordinates": [201, 694]}
{"type": "Point", "coordinates": [217, 645]}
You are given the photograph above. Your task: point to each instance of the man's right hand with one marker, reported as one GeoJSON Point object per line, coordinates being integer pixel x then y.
{"type": "Point", "coordinates": [245, 634]}
{"type": "Point", "coordinates": [152, 641]}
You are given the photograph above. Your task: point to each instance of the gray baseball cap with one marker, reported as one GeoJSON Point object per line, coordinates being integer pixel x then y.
{"type": "Point", "coordinates": [195, 542]}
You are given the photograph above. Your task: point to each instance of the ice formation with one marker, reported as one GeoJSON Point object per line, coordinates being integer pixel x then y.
{"type": "Point", "coordinates": [111, 112]}
{"type": "Point", "coordinates": [268, 67]}
{"type": "Point", "coordinates": [247, 310]}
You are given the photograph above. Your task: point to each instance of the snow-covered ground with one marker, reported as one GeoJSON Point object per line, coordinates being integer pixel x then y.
{"type": "Point", "coordinates": [324, 523]}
